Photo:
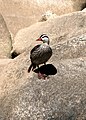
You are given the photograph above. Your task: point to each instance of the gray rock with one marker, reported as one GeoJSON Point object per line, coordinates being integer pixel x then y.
{"type": "Point", "coordinates": [5, 40]}
{"type": "Point", "coordinates": [61, 97]}
{"type": "Point", "coordinates": [74, 47]}
{"type": "Point", "coordinates": [58, 29]}
{"type": "Point", "coordinates": [19, 14]}
{"type": "Point", "coordinates": [47, 15]}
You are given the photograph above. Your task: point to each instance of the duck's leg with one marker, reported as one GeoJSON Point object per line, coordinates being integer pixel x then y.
{"type": "Point", "coordinates": [42, 76]}
{"type": "Point", "coordinates": [34, 66]}
{"type": "Point", "coordinates": [38, 67]}
{"type": "Point", "coordinates": [39, 73]}
{"type": "Point", "coordinates": [29, 69]}
{"type": "Point", "coordinates": [44, 63]}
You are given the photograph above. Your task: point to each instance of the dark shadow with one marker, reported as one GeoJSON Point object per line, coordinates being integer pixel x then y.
{"type": "Point", "coordinates": [83, 6]}
{"type": "Point", "coordinates": [47, 69]}
{"type": "Point", "coordinates": [14, 54]}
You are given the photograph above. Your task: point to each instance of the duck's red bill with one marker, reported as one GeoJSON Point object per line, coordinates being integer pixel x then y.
{"type": "Point", "coordinates": [39, 39]}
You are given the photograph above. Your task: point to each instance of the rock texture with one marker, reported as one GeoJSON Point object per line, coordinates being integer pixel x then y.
{"type": "Point", "coordinates": [61, 96]}
{"type": "Point", "coordinates": [79, 4]}
{"type": "Point", "coordinates": [47, 15]}
{"type": "Point", "coordinates": [5, 40]}
{"type": "Point", "coordinates": [59, 29]}
{"type": "Point", "coordinates": [24, 13]}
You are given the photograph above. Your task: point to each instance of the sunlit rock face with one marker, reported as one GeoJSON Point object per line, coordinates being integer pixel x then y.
{"type": "Point", "coordinates": [61, 93]}
{"type": "Point", "coordinates": [24, 13]}
{"type": "Point", "coordinates": [19, 14]}
{"type": "Point", "coordinates": [5, 40]}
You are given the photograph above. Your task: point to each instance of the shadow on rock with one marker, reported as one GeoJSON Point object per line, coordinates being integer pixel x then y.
{"type": "Point", "coordinates": [47, 69]}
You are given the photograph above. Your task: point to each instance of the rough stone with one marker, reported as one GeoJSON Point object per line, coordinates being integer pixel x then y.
{"type": "Point", "coordinates": [48, 15]}
{"type": "Point", "coordinates": [79, 4]}
{"type": "Point", "coordinates": [5, 40]}
{"type": "Point", "coordinates": [58, 29]}
{"type": "Point", "coordinates": [19, 14]}
{"type": "Point", "coordinates": [62, 96]}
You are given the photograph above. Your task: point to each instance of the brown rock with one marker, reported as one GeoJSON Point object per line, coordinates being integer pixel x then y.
{"type": "Point", "coordinates": [5, 40]}
{"type": "Point", "coordinates": [19, 14]}
{"type": "Point", "coordinates": [47, 15]}
{"type": "Point", "coordinates": [84, 10]}
{"type": "Point", "coordinates": [58, 29]}
{"type": "Point", "coordinates": [79, 4]}
{"type": "Point", "coordinates": [24, 96]}
{"type": "Point", "coordinates": [60, 97]}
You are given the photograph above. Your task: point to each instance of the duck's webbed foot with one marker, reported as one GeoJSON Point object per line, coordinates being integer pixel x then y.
{"type": "Point", "coordinates": [42, 76]}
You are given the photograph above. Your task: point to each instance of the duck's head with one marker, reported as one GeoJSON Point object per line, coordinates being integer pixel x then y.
{"type": "Point", "coordinates": [44, 38]}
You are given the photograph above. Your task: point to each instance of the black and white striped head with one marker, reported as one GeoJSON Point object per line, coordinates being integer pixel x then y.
{"type": "Point", "coordinates": [44, 38]}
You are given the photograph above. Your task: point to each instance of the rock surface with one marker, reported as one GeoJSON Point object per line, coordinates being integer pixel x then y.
{"type": "Point", "coordinates": [58, 29]}
{"type": "Point", "coordinates": [59, 97]}
{"type": "Point", "coordinates": [5, 40]}
{"type": "Point", "coordinates": [48, 15]}
{"type": "Point", "coordinates": [62, 96]}
{"type": "Point", "coordinates": [24, 13]}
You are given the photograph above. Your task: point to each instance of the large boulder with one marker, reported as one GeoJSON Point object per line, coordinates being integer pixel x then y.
{"type": "Point", "coordinates": [59, 97]}
{"type": "Point", "coordinates": [62, 96]}
{"type": "Point", "coordinates": [19, 14]}
{"type": "Point", "coordinates": [79, 4]}
{"type": "Point", "coordinates": [5, 40]}
{"type": "Point", "coordinates": [61, 28]}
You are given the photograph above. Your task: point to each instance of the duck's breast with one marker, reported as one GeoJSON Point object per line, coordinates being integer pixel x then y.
{"type": "Point", "coordinates": [41, 54]}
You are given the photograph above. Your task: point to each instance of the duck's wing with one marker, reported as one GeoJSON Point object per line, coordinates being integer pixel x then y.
{"type": "Point", "coordinates": [34, 49]}
{"type": "Point", "coordinates": [40, 54]}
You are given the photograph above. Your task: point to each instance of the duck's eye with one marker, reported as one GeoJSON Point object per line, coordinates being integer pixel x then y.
{"type": "Point", "coordinates": [45, 39]}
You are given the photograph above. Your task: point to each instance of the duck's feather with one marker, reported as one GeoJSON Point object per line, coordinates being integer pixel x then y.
{"type": "Point", "coordinates": [37, 46]}
{"type": "Point", "coordinates": [40, 54]}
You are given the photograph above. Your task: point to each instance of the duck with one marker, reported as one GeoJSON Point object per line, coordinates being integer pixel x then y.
{"type": "Point", "coordinates": [41, 53]}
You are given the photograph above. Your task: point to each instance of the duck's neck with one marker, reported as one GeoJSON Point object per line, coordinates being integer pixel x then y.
{"type": "Point", "coordinates": [45, 43]}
